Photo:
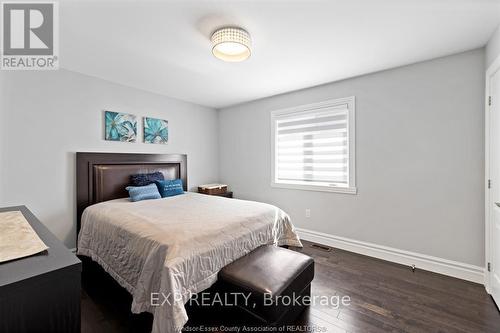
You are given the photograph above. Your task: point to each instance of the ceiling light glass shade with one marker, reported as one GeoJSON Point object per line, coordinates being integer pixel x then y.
{"type": "Point", "coordinates": [231, 44]}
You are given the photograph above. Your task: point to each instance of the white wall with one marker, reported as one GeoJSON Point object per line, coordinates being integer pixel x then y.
{"type": "Point", "coordinates": [51, 115]}
{"type": "Point", "coordinates": [420, 159]}
{"type": "Point", "coordinates": [2, 124]}
{"type": "Point", "coordinates": [493, 47]}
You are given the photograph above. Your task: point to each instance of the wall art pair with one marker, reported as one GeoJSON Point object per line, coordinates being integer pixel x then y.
{"type": "Point", "coordinates": [123, 127]}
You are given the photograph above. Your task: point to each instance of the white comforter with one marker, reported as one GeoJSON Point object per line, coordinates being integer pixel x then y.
{"type": "Point", "coordinates": [176, 245]}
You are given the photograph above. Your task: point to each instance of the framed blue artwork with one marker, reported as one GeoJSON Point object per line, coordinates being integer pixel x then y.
{"type": "Point", "coordinates": [120, 126]}
{"type": "Point", "coordinates": [155, 130]}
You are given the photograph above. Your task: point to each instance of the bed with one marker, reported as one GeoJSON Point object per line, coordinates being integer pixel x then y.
{"type": "Point", "coordinates": [173, 246]}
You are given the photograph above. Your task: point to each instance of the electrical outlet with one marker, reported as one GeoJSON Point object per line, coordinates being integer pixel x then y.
{"type": "Point", "coordinates": [308, 212]}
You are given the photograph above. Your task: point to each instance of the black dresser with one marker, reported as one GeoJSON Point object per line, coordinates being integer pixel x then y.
{"type": "Point", "coordinates": [40, 293]}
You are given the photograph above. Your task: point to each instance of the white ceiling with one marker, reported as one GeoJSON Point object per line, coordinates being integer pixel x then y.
{"type": "Point", "coordinates": [164, 46]}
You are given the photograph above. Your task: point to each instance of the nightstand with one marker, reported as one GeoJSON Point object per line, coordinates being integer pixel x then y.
{"type": "Point", "coordinates": [226, 195]}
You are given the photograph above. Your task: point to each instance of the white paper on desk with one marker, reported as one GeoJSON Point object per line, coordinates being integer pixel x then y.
{"type": "Point", "coordinates": [17, 237]}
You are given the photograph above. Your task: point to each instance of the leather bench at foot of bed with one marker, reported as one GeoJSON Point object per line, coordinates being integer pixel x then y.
{"type": "Point", "coordinates": [276, 281]}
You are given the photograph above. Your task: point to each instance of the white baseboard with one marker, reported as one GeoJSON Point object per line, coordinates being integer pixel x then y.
{"type": "Point", "coordinates": [421, 261]}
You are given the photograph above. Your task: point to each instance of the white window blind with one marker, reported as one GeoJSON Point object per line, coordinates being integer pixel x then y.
{"type": "Point", "coordinates": [312, 146]}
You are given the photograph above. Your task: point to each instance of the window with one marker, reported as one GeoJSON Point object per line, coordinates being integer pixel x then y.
{"type": "Point", "coordinates": [313, 147]}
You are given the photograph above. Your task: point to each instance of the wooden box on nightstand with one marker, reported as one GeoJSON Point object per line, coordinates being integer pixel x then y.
{"type": "Point", "coordinates": [215, 189]}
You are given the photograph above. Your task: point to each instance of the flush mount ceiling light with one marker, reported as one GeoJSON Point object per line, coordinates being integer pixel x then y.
{"type": "Point", "coordinates": [231, 44]}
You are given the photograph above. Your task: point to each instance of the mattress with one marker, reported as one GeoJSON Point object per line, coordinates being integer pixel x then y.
{"type": "Point", "coordinates": [176, 246]}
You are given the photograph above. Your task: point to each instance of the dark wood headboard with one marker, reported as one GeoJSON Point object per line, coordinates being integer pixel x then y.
{"type": "Point", "coordinates": [104, 176]}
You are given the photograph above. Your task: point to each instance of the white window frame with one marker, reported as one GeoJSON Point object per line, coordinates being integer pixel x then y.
{"type": "Point", "coordinates": [351, 136]}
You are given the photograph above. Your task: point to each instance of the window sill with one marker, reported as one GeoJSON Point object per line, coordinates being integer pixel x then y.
{"type": "Point", "coordinates": [345, 190]}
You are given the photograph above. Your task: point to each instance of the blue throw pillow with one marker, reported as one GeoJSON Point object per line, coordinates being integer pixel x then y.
{"type": "Point", "coordinates": [138, 193]}
{"type": "Point", "coordinates": [168, 188]}
{"type": "Point", "coordinates": [143, 179]}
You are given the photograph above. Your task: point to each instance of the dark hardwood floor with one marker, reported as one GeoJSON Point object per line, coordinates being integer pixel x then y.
{"type": "Point", "coordinates": [385, 297]}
